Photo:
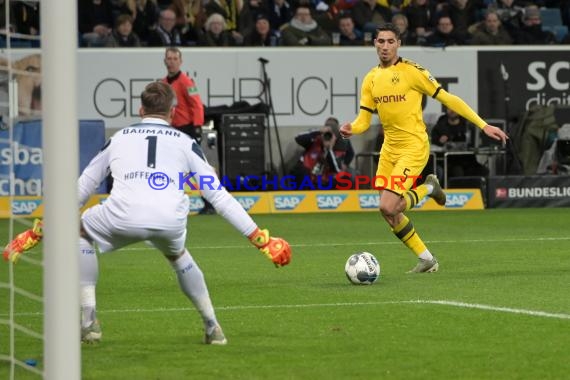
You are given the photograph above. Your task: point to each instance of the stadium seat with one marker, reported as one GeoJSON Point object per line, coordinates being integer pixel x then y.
{"type": "Point", "coordinates": [15, 43]}
{"type": "Point", "coordinates": [550, 16]}
{"type": "Point", "coordinates": [559, 31]}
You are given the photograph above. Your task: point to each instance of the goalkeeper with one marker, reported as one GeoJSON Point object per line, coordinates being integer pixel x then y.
{"type": "Point", "coordinates": [147, 204]}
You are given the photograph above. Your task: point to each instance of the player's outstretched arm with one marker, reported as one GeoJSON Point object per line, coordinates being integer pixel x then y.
{"type": "Point", "coordinates": [495, 133]}
{"type": "Point", "coordinates": [23, 242]}
{"type": "Point", "coordinates": [276, 249]}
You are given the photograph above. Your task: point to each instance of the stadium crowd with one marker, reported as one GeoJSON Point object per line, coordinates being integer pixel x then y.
{"type": "Point", "coordinates": [214, 23]}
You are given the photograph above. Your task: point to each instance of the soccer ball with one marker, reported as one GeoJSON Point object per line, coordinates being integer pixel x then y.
{"type": "Point", "coordinates": [362, 268]}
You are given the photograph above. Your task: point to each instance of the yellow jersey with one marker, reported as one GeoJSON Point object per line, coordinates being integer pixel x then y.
{"type": "Point", "coordinates": [396, 93]}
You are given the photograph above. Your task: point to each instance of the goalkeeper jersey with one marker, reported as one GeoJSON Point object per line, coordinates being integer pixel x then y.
{"type": "Point", "coordinates": [149, 163]}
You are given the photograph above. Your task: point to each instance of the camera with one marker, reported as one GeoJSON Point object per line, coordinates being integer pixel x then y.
{"type": "Point", "coordinates": [327, 136]}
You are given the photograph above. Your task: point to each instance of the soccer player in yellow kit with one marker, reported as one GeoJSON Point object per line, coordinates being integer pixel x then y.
{"type": "Point", "coordinates": [395, 88]}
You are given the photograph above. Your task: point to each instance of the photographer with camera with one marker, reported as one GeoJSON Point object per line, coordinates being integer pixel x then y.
{"type": "Point", "coordinates": [326, 154]}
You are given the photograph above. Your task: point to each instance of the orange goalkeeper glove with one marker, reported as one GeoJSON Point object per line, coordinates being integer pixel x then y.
{"type": "Point", "coordinates": [276, 249]}
{"type": "Point", "coordinates": [23, 242]}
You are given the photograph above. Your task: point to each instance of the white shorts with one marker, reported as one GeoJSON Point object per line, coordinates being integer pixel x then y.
{"type": "Point", "coordinates": [110, 234]}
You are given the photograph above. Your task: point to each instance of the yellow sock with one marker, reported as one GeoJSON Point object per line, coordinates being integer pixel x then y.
{"type": "Point", "coordinates": [406, 232]}
{"type": "Point", "coordinates": [413, 196]}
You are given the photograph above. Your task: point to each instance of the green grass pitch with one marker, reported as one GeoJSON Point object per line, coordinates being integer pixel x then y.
{"type": "Point", "coordinates": [499, 308]}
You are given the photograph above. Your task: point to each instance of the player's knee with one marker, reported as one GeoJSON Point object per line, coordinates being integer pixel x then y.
{"type": "Point", "coordinates": [388, 210]}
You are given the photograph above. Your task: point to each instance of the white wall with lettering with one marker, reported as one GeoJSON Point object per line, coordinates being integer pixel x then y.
{"type": "Point", "coordinates": [307, 85]}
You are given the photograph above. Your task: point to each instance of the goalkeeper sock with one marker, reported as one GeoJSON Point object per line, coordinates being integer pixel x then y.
{"type": "Point", "coordinates": [193, 285]}
{"type": "Point", "coordinates": [406, 232]}
{"type": "Point", "coordinates": [88, 275]}
{"type": "Point", "coordinates": [413, 196]}
{"type": "Point", "coordinates": [88, 304]}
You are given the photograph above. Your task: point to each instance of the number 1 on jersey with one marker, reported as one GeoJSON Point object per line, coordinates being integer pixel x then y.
{"type": "Point", "coordinates": [151, 152]}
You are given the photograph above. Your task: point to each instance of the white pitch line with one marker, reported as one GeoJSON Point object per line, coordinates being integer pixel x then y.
{"type": "Point", "coordinates": [534, 313]}
{"type": "Point", "coordinates": [464, 305]}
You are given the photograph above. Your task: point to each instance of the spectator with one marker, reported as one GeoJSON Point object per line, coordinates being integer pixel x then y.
{"type": "Point", "coordinates": [26, 17]}
{"type": "Point", "coordinates": [394, 6]}
{"type": "Point", "coordinates": [123, 35]}
{"type": "Point", "coordinates": [163, 4]}
{"type": "Point", "coordinates": [419, 14]}
{"type": "Point", "coordinates": [565, 12]}
{"type": "Point", "coordinates": [189, 16]}
{"type": "Point", "coordinates": [262, 35]}
{"type": "Point", "coordinates": [490, 31]}
{"type": "Point", "coordinates": [249, 13]}
{"type": "Point", "coordinates": [349, 35]}
{"type": "Point", "coordinates": [304, 31]}
{"type": "Point", "coordinates": [216, 33]}
{"type": "Point", "coordinates": [144, 14]}
{"type": "Point", "coordinates": [407, 37]}
{"type": "Point", "coordinates": [326, 14]}
{"type": "Point", "coordinates": [229, 9]}
{"type": "Point", "coordinates": [510, 13]}
{"type": "Point", "coordinates": [462, 14]}
{"type": "Point", "coordinates": [280, 13]}
{"type": "Point", "coordinates": [452, 133]}
{"type": "Point", "coordinates": [3, 11]}
{"type": "Point", "coordinates": [326, 154]}
{"type": "Point", "coordinates": [530, 32]}
{"type": "Point", "coordinates": [166, 33]}
{"type": "Point", "coordinates": [95, 19]}
{"type": "Point", "coordinates": [444, 34]}
{"type": "Point", "coordinates": [368, 14]}
{"type": "Point", "coordinates": [345, 5]}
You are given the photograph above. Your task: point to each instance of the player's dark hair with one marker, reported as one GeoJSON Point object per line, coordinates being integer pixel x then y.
{"type": "Point", "coordinates": [157, 98]}
{"type": "Point", "coordinates": [388, 27]}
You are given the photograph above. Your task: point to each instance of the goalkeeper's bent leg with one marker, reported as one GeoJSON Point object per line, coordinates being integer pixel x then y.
{"type": "Point", "coordinates": [88, 275]}
{"type": "Point", "coordinates": [193, 285]}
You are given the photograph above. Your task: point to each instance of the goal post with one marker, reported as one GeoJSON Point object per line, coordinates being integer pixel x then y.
{"type": "Point", "coordinates": [59, 35]}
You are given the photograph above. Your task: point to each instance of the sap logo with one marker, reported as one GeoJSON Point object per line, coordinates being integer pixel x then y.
{"type": "Point", "coordinates": [330, 202]}
{"type": "Point", "coordinates": [25, 207]}
{"type": "Point", "coordinates": [369, 201]}
{"type": "Point", "coordinates": [196, 204]}
{"type": "Point", "coordinates": [457, 200]}
{"type": "Point", "coordinates": [247, 202]}
{"type": "Point", "coordinates": [287, 202]}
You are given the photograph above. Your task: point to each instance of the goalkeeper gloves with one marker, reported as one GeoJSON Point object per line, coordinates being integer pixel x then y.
{"type": "Point", "coordinates": [23, 242]}
{"type": "Point", "coordinates": [276, 249]}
